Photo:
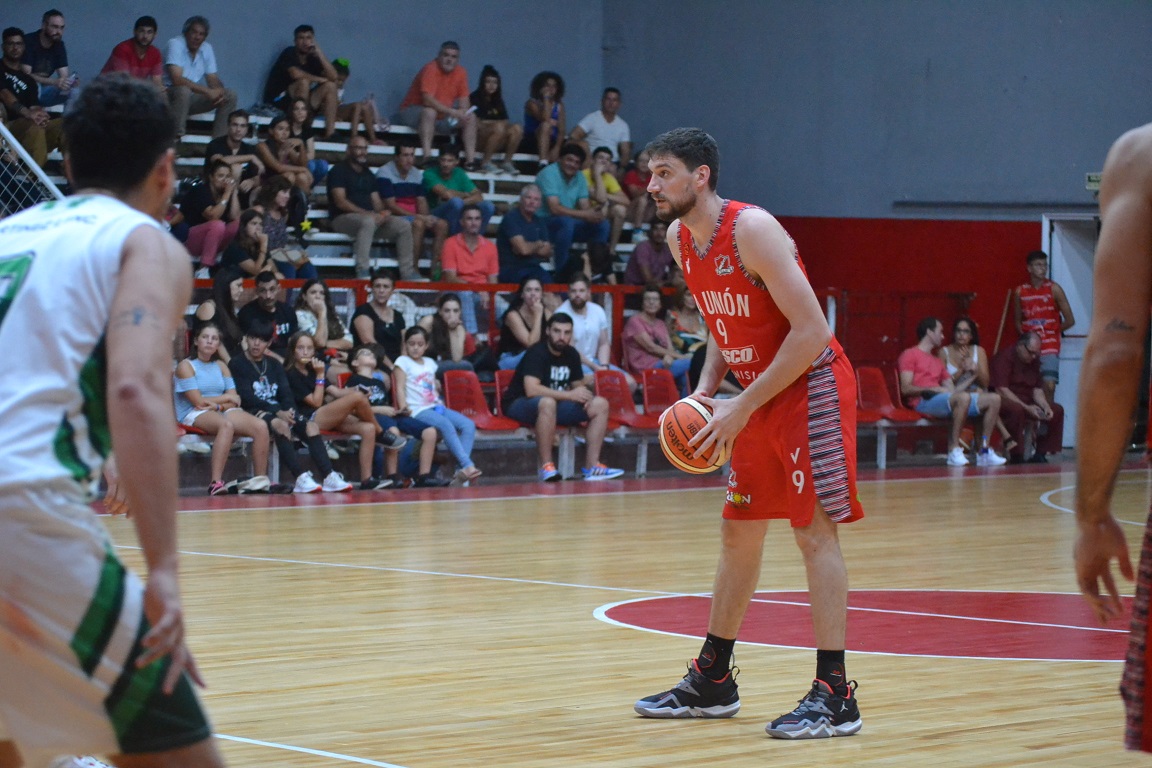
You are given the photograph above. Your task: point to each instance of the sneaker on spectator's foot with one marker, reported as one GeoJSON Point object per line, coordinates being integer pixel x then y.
{"type": "Point", "coordinates": [694, 696]}
{"type": "Point", "coordinates": [821, 714]}
{"type": "Point", "coordinates": [399, 481]}
{"type": "Point", "coordinates": [956, 457]}
{"type": "Point", "coordinates": [1038, 458]}
{"type": "Point", "coordinates": [258, 484]}
{"type": "Point", "coordinates": [78, 761]}
{"type": "Point", "coordinates": [510, 168]}
{"type": "Point", "coordinates": [430, 481]}
{"type": "Point", "coordinates": [475, 166]}
{"type": "Point", "coordinates": [989, 458]}
{"type": "Point", "coordinates": [392, 442]}
{"type": "Point", "coordinates": [280, 488]}
{"type": "Point", "coordinates": [335, 483]}
{"type": "Point", "coordinates": [490, 168]}
{"type": "Point", "coordinates": [305, 484]}
{"type": "Point", "coordinates": [549, 474]}
{"type": "Point", "coordinates": [333, 454]}
{"type": "Point", "coordinates": [601, 472]}
{"type": "Point", "coordinates": [217, 488]}
{"type": "Point", "coordinates": [375, 483]}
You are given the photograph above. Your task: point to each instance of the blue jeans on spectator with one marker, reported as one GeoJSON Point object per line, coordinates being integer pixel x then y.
{"type": "Point", "coordinates": [679, 370]}
{"type": "Point", "coordinates": [306, 271]}
{"type": "Point", "coordinates": [50, 96]}
{"type": "Point", "coordinates": [450, 209]}
{"type": "Point", "coordinates": [525, 409]}
{"type": "Point", "coordinates": [565, 230]}
{"type": "Point", "coordinates": [457, 430]}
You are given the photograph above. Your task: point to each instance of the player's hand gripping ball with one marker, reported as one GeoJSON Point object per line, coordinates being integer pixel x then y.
{"type": "Point", "coordinates": [679, 424]}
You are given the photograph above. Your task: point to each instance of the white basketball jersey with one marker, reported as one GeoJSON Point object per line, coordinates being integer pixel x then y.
{"type": "Point", "coordinates": [59, 268]}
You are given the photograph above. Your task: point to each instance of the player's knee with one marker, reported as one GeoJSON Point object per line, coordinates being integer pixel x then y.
{"type": "Point", "coordinates": [546, 405]}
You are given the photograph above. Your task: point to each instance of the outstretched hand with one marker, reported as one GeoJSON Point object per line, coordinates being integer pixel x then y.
{"type": "Point", "coordinates": [1096, 546]}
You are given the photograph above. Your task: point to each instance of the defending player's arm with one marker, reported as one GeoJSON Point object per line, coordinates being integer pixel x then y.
{"type": "Point", "coordinates": [1113, 357]}
{"type": "Point", "coordinates": [767, 252]}
{"type": "Point", "coordinates": [154, 290]}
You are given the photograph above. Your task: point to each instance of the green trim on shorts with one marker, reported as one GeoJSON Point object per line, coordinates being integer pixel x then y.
{"type": "Point", "coordinates": [146, 719]}
{"type": "Point", "coordinates": [91, 638]}
{"type": "Point", "coordinates": [64, 446]}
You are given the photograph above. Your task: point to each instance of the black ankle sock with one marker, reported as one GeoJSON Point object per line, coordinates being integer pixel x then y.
{"type": "Point", "coordinates": [319, 453]}
{"type": "Point", "coordinates": [830, 669]}
{"type": "Point", "coordinates": [715, 657]}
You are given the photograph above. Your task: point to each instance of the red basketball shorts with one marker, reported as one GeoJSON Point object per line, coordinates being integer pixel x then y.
{"type": "Point", "coordinates": [797, 450]}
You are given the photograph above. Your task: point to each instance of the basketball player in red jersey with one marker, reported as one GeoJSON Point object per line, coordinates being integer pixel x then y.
{"type": "Point", "coordinates": [1109, 388]}
{"type": "Point", "coordinates": [792, 431]}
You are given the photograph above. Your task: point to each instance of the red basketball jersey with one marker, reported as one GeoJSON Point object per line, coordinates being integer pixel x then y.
{"type": "Point", "coordinates": [1041, 315]}
{"type": "Point", "coordinates": [746, 323]}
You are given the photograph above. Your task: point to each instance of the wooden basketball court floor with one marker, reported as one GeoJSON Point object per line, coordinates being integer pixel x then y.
{"type": "Point", "coordinates": [515, 625]}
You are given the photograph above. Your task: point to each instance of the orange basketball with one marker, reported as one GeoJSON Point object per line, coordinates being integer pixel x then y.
{"type": "Point", "coordinates": [679, 424]}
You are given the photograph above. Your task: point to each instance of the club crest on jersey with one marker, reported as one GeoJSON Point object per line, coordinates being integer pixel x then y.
{"type": "Point", "coordinates": [732, 479]}
{"type": "Point", "coordinates": [724, 265]}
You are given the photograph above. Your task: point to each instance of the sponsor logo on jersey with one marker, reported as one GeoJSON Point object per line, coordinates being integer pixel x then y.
{"type": "Point", "coordinates": [739, 499]}
{"type": "Point", "coordinates": [740, 355]}
{"type": "Point", "coordinates": [724, 265]}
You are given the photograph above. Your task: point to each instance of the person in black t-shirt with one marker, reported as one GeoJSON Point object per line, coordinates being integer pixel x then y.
{"type": "Point", "coordinates": [494, 130]}
{"type": "Point", "coordinates": [549, 388]}
{"type": "Point", "coordinates": [303, 71]}
{"type": "Point", "coordinates": [240, 155]}
{"type": "Point", "coordinates": [270, 309]}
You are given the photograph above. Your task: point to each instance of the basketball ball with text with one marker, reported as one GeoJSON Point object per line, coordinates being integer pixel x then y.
{"type": "Point", "coordinates": [678, 425]}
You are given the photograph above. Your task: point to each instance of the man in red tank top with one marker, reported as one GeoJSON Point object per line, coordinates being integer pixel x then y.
{"type": "Point", "coordinates": [1042, 307]}
{"type": "Point", "coordinates": [792, 431]}
{"type": "Point", "coordinates": [1109, 388]}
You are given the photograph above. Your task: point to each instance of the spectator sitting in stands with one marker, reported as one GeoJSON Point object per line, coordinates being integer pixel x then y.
{"type": "Point", "coordinates": [220, 310]}
{"type": "Point", "coordinates": [302, 71]}
{"type": "Point", "coordinates": [212, 210]}
{"type": "Point", "coordinates": [686, 325]}
{"type": "Point", "coordinates": [333, 408]}
{"type": "Point", "coordinates": [523, 323]}
{"type": "Point", "coordinates": [549, 389]}
{"type": "Point", "coordinates": [274, 200]}
{"type": "Point", "coordinates": [137, 56]}
{"type": "Point", "coordinates": [417, 393]}
{"type": "Point", "coordinates": [544, 118]}
{"type": "Point", "coordinates": [377, 387]}
{"type": "Point", "coordinates": [240, 155]}
{"type": "Point", "coordinates": [281, 154]}
{"type": "Point", "coordinates": [927, 386]}
{"type": "Point", "coordinates": [377, 322]}
{"type": "Point", "coordinates": [360, 213]}
{"type": "Point", "coordinates": [605, 128]}
{"type": "Point", "coordinates": [438, 101]}
{"type": "Point", "coordinates": [45, 59]}
{"type": "Point", "coordinates": [1017, 377]}
{"type": "Point", "coordinates": [647, 343]}
{"type": "Point", "coordinates": [572, 217]}
{"type": "Point", "coordinates": [469, 257]}
{"type": "Point", "coordinates": [265, 393]}
{"type": "Point", "coordinates": [495, 129]}
{"type": "Point", "coordinates": [590, 329]}
{"type": "Point", "coordinates": [206, 399]}
{"type": "Point", "coordinates": [651, 262]}
{"type": "Point", "coordinates": [190, 74]}
{"type": "Point", "coordinates": [522, 241]}
{"type": "Point", "coordinates": [248, 251]}
{"type": "Point", "coordinates": [357, 112]}
{"type": "Point", "coordinates": [967, 364]}
{"type": "Point", "coordinates": [449, 189]}
{"type": "Point", "coordinates": [316, 315]}
{"type": "Point", "coordinates": [605, 191]}
{"type": "Point", "coordinates": [642, 207]}
{"type": "Point", "coordinates": [33, 126]}
{"type": "Point", "coordinates": [300, 129]}
{"type": "Point", "coordinates": [268, 307]}
{"type": "Point", "coordinates": [449, 343]}
{"type": "Point", "coordinates": [401, 186]}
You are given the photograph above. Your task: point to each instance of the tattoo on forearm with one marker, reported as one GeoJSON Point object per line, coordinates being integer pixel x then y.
{"type": "Point", "coordinates": [1116, 324]}
{"type": "Point", "coordinates": [135, 316]}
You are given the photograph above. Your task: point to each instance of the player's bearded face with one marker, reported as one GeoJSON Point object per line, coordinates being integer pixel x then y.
{"type": "Point", "coordinates": [674, 205]}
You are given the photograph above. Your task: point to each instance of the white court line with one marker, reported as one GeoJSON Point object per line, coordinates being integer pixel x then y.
{"type": "Point", "coordinates": [1046, 500]}
{"type": "Point", "coordinates": [306, 751]}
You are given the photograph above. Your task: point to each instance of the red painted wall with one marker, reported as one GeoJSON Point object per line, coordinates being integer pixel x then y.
{"type": "Point", "coordinates": [896, 271]}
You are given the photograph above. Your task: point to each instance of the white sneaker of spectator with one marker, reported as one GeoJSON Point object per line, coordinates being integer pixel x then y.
{"type": "Point", "coordinates": [956, 457]}
{"type": "Point", "coordinates": [335, 483]}
{"type": "Point", "coordinates": [306, 484]}
{"type": "Point", "coordinates": [989, 458]}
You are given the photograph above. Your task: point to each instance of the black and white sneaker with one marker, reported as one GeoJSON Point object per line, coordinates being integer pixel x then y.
{"type": "Point", "coordinates": [694, 696]}
{"type": "Point", "coordinates": [821, 714]}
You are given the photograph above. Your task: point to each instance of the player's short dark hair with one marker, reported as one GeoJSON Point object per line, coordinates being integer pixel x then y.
{"type": "Point", "coordinates": [925, 325]}
{"type": "Point", "coordinates": [610, 89]}
{"type": "Point", "coordinates": [147, 22]}
{"type": "Point", "coordinates": [239, 113]}
{"type": "Point", "coordinates": [691, 146]}
{"type": "Point", "coordinates": [214, 166]}
{"type": "Point", "coordinates": [49, 14]}
{"type": "Point", "coordinates": [470, 207]}
{"type": "Point", "coordinates": [598, 150]}
{"type": "Point", "coordinates": [259, 328]}
{"type": "Point", "coordinates": [450, 44]}
{"type": "Point", "coordinates": [12, 32]}
{"type": "Point", "coordinates": [1035, 256]}
{"type": "Point", "coordinates": [117, 129]}
{"type": "Point", "coordinates": [572, 148]}
{"type": "Point", "coordinates": [302, 29]}
{"type": "Point", "coordinates": [193, 21]}
{"type": "Point", "coordinates": [559, 317]}
{"type": "Point", "coordinates": [265, 277]}
{"type": "Point", "coordinates": [383, 273]}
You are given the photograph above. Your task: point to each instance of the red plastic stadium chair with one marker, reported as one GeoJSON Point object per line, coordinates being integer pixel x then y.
{"type": "Point", "coordinates": [660, 390]}
{"type": "Point", "coordinates": [874, 396]}
{"type": "Point", "coordinates": [462, 393]}
{"type": "Point", "coordinates": [613, 387]}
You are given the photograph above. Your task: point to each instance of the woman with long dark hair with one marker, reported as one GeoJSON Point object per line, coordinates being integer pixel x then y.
{"type": "Point", "coordinates": [274, 200]}
{"type": "Point", "coordinates": [220, 310]}
{"type": "Point", "coordinates": [544, 118]}
{"type": "Point", "coordinates": [494, 129]}
{"type": "Point", "coordinates": [285, 156]}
